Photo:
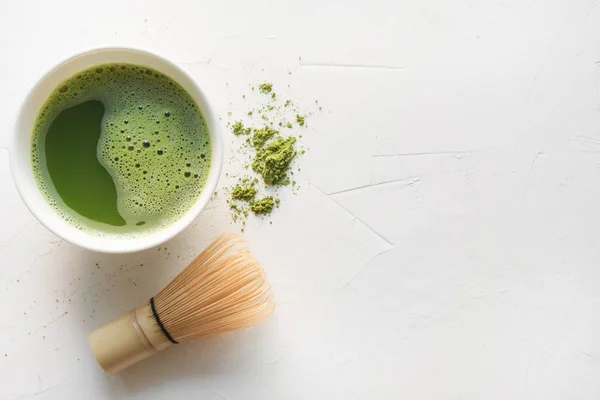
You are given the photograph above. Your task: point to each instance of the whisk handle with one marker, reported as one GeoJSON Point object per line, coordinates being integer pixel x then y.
{"type": "Point", "coordinates": [127, 340]}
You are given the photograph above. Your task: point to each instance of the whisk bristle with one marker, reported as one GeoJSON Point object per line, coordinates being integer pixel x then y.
{"type": "Point", "coordinates": [223, 289]}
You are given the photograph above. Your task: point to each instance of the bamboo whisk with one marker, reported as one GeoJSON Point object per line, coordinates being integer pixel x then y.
{"type": "Point", "coordinates": [223, 289]}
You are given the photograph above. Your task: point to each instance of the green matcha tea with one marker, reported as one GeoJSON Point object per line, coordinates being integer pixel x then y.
{"type": "Point", "coordinates": [120, 149]}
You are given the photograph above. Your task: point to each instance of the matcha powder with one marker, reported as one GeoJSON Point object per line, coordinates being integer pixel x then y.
{"type": "Point", "coordinates": [267, 136]}
{"type": "Point", "coordinates": [262, 206]}
{"type": "Point", "coordinates": [273, 161]}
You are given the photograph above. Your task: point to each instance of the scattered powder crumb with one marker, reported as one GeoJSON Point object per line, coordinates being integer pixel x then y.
{"type": "Point", "coordinates": [266, 87]}
{"type": "Point", "coordinates": [300, 119]}
{"type": "Point", "coordinates": [239, 212]}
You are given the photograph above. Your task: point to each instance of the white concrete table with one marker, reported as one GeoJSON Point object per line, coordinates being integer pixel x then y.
{"type": "Point", "coordinates": [444, 243]}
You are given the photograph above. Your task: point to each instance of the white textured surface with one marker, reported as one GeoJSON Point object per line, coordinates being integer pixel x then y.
{"type": "Point", "coordinates": [444, 244]}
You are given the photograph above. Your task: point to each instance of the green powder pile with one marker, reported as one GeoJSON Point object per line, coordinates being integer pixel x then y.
{"type": "Point", "coordinates": [268, 144]}
{"type": "Point", "coordinates": [273, 161]}
{"type": "Point", "coordinates": [244, 193]}
{"type": "Point", "coordinates": [263, 206]}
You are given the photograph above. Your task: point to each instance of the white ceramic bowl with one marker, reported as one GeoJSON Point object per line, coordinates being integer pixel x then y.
{"type": "Point", "coordinates": [20, 152]}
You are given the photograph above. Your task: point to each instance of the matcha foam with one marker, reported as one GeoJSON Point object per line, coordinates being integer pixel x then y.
{"type": "Point", "coordinates": [154, 143]}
